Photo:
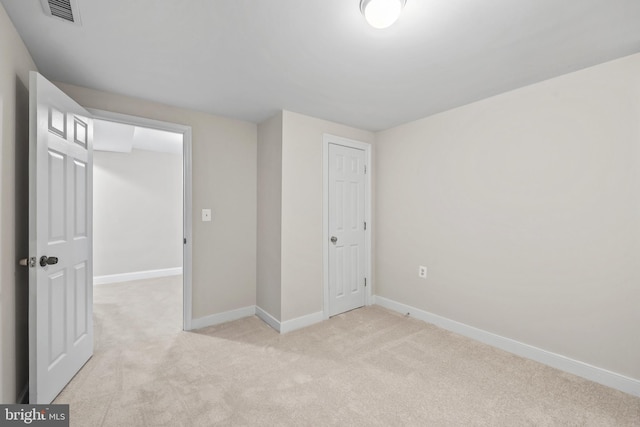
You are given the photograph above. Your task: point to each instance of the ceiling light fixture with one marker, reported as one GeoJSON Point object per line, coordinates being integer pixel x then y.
{"type": "Point", "coordinates": [381, 13]}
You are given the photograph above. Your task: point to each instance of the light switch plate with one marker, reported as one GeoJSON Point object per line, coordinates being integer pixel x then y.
{"type": "Point", "coordinates": [206, 215]}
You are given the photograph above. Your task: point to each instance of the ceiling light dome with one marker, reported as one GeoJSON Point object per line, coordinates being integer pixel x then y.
{"type": "Point", "coordinates": [381, 13]}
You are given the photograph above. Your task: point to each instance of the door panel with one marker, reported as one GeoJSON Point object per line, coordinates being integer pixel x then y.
{"type": "Point", "coordinates": [346, 224]}
{"type": "Point", "coordinates": [57, 322]}
{"type": "Point", "coordinates": [80, 199]}
{"type": "Point", "coordinates": [60, 226]}
{"type": "Point", "coordinates": [80, 296]}
{"type": "Point", "coordinates": [57, 197]}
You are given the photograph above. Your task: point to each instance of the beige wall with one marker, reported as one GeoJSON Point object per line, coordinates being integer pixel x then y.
{"type": "Point", "coordinates": [302, 286]}
{"type": "Point", "coordinates": [224, 180]}
{"type": "Point", "coordinates": [526, 209]}
{"type": "Point", "coordinates": [268, 291]}
{"type": "Point", "coordinates": [15, 64]}
{"type": "Point", "coordinates": [137, 211]}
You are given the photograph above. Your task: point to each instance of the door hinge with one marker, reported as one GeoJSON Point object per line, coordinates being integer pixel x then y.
{"type": "Point", "coordinates": [365, 169]}
{"type": "Point", "coordinates": [184, 241]}
{"type": "Point", "coordinates": [365, 225]}
{"type": "Point", "coordinates": [365, 282]}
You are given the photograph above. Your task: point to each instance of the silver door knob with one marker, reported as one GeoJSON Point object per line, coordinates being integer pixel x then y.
{"type": "Point", "coordinates": [334, 239]}
{"type": "Point", "coordinates": [45, 260]}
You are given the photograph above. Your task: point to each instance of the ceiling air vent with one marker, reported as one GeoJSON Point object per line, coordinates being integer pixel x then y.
{"type": "Point", "coordinates": [63, 9]}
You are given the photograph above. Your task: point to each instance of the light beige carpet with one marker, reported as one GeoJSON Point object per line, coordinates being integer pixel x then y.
{"type": "Point", "coordinates": [368, 367]}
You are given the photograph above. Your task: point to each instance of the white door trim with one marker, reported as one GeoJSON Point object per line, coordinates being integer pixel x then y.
{"type": "Point", "coordinates": [187, 196]}
{"type": "Point", "coordinates": [366, 147]}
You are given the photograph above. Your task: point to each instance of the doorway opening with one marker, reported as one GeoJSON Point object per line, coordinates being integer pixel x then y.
{"type": "Point", "coordinates": [142, 227]}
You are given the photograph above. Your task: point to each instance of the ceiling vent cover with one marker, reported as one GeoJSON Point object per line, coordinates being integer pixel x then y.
{"type": "Point", "coordinates": [63, 9]}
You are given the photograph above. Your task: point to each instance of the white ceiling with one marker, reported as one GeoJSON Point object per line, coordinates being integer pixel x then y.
{"type": "Point", "coordinates": [123, 138]}
{"type": "Point", "coordinates": [247, 58]}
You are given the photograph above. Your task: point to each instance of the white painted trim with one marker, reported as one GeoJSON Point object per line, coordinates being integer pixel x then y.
{"type": "Point", "coordinates": [268, 318]}
{"type": "Point", "coordinates": [366, 147]}
{"type": "Point", "coordinates": [563, 363]}
{"type": "Point", "coordinates": [325, 227]}
{"type": "Point", "coordinates": [289, 325]}
{"type": "Point", "coordinates": [136, 275]}
{"type": "Point", "coordinates": [301, 322]}
{"type": "Point", "coordinates": [187, 253]}
{"type": "Point", "coordinates": [227, 316]}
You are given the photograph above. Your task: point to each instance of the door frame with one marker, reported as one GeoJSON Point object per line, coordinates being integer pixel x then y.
{"type": "Point", "coordinates": [187, 196]}
{"type": "Point", "coordinates": [328, 139]}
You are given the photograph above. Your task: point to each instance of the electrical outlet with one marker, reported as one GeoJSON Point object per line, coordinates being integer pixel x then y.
{"type": "Point", "coordinates": [422, 272]}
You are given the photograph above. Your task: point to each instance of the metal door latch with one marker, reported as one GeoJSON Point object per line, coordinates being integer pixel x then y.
{"type": "Point", "coordinates": [28, 262]}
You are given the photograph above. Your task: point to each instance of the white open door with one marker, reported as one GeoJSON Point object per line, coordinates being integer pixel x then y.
{"type": "Point", "coordinates": [60, 239]}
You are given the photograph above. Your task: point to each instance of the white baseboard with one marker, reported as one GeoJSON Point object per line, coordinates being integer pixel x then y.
{"type": "Point", "coordinates": [575, 367]}
{"type": "Point", "coordinates": [289, 325]}
{"type": "Point", "coordinates": [136, 275]}
{"type": "Point", "coordinates": [268, 318]}
{"type": "Point", "coordinates": [301, 322]}
{"type": "Point", "coordinates": [227, 316]}
{"type": "Point", "coordinates": [282, 327]}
